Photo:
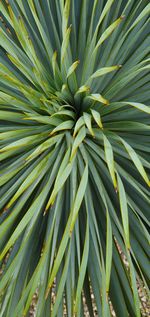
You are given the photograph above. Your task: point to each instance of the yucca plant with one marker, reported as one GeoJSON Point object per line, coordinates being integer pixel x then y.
{"type": "Point", "coordinates": [75, 156]}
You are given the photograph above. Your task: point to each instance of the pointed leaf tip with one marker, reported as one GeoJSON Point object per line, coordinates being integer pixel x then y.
{"type": "Point", "coordinates": [72, 68]}
{"type": "Point", "coordinates": [99, 98]}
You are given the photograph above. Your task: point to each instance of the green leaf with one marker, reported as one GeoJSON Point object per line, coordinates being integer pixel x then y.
{"type": "Point", "coordinates": [134, 157]}
{"type": "Point", "coordinates": [10, 116]}
{"type": "Point", "coordinates": [88, 122]}
{"type": "Point", "coordinates": [60, 253]}
{"type": "Point", "coordinates": [22, 142]}
{"type": "Point", "coordinates": [98, 98]}
{"type": "Point", "coordinates": [72, 68]}
{"type": "Point", "coordinates": [109, 251]}
{"type": "Point", "coordinates": [79, 197]}
{"type": "Point", "coordinates": [65, 44]}
{"type": "Point", "coordinates": [97, 118]}
{"type": "Point", "coordinates": [104, 70]}
{"type": "Point", "coordinates": [134, 286]}
{"type": "Point", "coordinates": [83, 89]}
{"type": "Point", "coordinates": [66, 125]}
{"type": "Point", "coordinates": [65, 16]}
{"type": "Point", "coordinates": [77, 141]}
{"type": "Point", "coordinates": [44, 146]}
{"type": "Point", "coordinates": [59, 184]}
{"type": "Point", "coordinates": [108, 31]}
{"type": "Point", "coordinates": [110, 160]}
{"type": "Point", "coordinates": [82, 270]}
{"type": "Point", "coordinates": [137, 105]}
{"type": "Point", "coordinates": [124, 211]}
{"type": "Point", "coordinates": [32, 211]}
{"type": "Point", "coordinates": [62, 283]}
{"type": "Point", "coordinates": [54, 57]}
{"type": "Point", "coordinates": [29, 180]}
{"type": "Point", "coordinates": [78, 125]}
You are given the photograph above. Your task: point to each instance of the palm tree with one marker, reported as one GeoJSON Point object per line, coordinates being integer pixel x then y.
{"type": "Point", "coordinates": [75, 155]}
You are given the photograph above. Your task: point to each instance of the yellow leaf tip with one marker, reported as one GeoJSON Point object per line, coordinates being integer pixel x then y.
{"type": "Point", "coordinates": [107, 292]}
{"type": "Point", "coordinates": [47, 208]}
{"type": "Point", "coordinates": [44, 213]}
{"type": "Point", "coordinates": [71, 158]}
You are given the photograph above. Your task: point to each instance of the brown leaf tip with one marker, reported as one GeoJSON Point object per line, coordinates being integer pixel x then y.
{"type": "Point", "coordinates": [122, 17]}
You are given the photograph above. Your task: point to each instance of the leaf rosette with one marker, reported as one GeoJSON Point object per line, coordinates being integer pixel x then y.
{"type": "Point", "coordinates": [74, 152]}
